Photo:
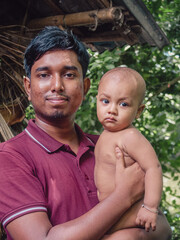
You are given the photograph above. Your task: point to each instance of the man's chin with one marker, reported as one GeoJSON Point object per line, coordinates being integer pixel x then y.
{"type": "Point", "coordinates": [52, 117]}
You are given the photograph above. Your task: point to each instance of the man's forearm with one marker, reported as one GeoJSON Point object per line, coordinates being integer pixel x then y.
{"type": "Point", "coordinates": [90, 226]}
{"type": "Point", "coordinates": [94, 224]}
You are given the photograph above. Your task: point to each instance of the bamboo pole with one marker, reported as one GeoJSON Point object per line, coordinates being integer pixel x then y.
{"type": "Point", "coordinates": [79, 19]}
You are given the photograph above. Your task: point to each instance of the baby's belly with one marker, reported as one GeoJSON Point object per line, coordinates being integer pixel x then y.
{"type": "Point", "coordinates": [105, 182]}
{"type": "Point", "coordinates": [105, 177]}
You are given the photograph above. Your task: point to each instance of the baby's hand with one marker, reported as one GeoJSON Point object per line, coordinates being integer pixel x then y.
{"type": "Point", "coordinates": [147, 219]}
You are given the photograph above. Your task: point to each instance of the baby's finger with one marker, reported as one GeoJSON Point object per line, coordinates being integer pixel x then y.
{"type": "Point", "coordinates": [138, 221]}
{"type": "Point", "coordinates": [147, 226]}
{"type": "Point", "coordinates": [142, 223]}
{"type": "Point", "coordinates": [153, 226]}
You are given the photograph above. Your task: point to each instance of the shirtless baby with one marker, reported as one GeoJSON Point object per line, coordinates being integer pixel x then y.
{"type": "Point", "coordinates": [119, 102]}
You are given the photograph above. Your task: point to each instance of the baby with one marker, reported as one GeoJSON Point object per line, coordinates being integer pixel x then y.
{"type": "Point", "coordinates": [119, 101]}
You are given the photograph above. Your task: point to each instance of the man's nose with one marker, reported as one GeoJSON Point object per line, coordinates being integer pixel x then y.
{"type": "Point", "coordinates": [112, 109]}
{"type": "Point", "coordinates": [57, 84]}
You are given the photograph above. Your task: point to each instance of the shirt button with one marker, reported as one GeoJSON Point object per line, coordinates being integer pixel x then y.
{"type": "Point", "coordinates": [86, 177]}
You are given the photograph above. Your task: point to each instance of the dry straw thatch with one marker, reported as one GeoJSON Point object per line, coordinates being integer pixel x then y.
{"type": "Point", "coordinates": [13, 100]}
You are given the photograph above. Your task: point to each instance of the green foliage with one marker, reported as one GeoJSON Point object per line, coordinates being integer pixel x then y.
{"type": "Point", "coordinates": [30, 112]}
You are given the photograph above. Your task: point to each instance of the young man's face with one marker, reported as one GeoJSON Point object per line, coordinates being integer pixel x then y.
{"type": "Point", "coordinates": [56, 88]}
{"type": "Point", "coordinates": [117, 101]}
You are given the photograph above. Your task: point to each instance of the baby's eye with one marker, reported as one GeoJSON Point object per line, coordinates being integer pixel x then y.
{"type": "Point", "coordinates": [105, 101]}
{"type": "Point", "coordinates": [123, 104]}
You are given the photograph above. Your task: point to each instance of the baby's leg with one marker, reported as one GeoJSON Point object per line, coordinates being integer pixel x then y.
{"type": "Point", "coordinates": [128, 220]}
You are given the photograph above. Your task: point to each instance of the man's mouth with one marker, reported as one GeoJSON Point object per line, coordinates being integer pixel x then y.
{"type": "Point", "coordinates": [57, 98]}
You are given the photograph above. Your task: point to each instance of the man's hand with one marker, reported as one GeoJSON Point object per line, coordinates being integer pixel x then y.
{"type": "Point", "coordinates": [131, 178]}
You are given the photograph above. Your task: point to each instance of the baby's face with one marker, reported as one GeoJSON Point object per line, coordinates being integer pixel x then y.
{"type": "Point", "coordinates": [117, 100]}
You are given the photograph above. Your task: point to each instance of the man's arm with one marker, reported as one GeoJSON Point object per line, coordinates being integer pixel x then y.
{"type": "Point", "coordinates": [93, 224]}
{"type": "Point", "coordinates": [163, 232]}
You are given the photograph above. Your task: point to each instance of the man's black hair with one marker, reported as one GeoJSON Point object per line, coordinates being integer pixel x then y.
{"type": "Point", "coordinates": [52, 38]}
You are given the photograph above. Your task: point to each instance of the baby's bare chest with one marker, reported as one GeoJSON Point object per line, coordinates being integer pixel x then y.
{"type": "Point", "coordinates": [105, 149]}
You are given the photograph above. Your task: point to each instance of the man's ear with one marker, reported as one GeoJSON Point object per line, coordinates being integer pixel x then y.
{"type": "Point", "coordinates": [87, 85]}
{"type": "Point", "coordinates": [27, 86]}
{"type": "Point", "coordinates": [140, 110]}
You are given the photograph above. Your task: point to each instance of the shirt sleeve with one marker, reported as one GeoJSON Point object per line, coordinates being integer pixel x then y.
{"type": "Point", "coordinates": [20, 190]}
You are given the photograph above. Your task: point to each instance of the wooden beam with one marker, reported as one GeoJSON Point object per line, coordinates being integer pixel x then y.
{"type": "Point", "coordinates": [110, 36]}
{"type": "Point", "coordinates": [79, 19]}
{"type": "Point", "coordinates": [115, 38]}
{"type": "Point", "coordinates": [53, 6]}
{"type": "Point", "coordinates": [106, 3]}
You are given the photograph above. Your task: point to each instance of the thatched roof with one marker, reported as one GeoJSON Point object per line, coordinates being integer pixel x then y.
{"type": "Point", "coordinates": [100, 24]}
{"type": "Point", "coordinates": [13, 100]}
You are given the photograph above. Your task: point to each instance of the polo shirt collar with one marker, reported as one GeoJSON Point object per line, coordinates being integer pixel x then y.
{"type": "Point", "coordinates": [48, 143]}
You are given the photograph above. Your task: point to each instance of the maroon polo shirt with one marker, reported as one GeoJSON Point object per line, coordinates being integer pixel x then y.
{"type": "Point", "coordinates": [38, 173]}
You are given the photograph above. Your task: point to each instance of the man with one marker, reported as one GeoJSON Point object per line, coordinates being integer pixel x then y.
{"type": "Point", "coordinates": [46, 185]}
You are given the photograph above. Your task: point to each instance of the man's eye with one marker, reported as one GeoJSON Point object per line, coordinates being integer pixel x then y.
{"type": "Point", "coordinates": [105, 101]}
{"type": "Point", "coordinates": [43, 75]}
{"type": "Point", "coordinates": [69, 75]}
{"type": "Point", "coordinates": [123, 104]}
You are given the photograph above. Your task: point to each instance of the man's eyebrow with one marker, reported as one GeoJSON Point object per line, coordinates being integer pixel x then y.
{"type": "Point", "coordinates": [39, 69]}
{"type": "Point", "coordinates": [45, 68]}
{"type": "Point", "coordinates": [71, 68]}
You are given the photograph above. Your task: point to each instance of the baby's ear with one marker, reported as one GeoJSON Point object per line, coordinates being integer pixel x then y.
{"type": "Point", "coordinates": [140, 110]}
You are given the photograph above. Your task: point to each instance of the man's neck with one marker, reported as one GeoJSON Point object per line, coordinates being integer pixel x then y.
{"type": "Point", "coordinates": [63, 132]}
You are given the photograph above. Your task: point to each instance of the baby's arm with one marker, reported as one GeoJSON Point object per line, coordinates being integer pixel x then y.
{"type": "Point", "coordinates": [147, 215]}
{"type": "Point", "coordinates": [141, 151]}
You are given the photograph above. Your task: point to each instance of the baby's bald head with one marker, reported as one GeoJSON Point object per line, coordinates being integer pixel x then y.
{"type": "Point", "coordinates": [129, 75]}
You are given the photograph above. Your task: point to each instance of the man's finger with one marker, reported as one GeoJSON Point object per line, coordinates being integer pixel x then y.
{"type": "Point", "coordinates": [120, 163]}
